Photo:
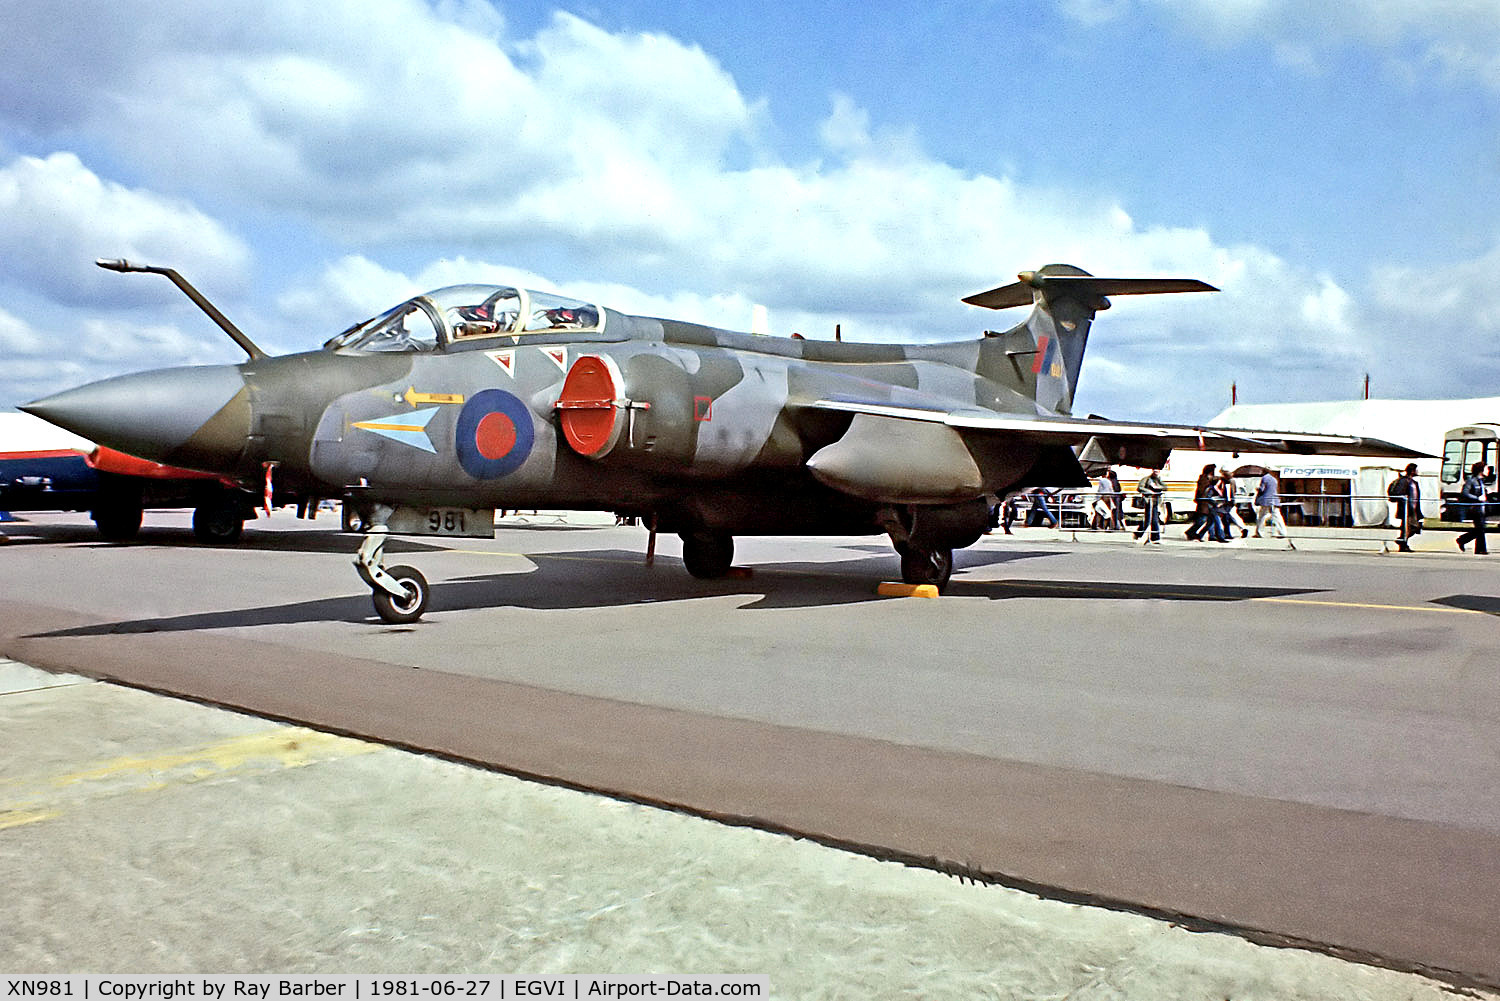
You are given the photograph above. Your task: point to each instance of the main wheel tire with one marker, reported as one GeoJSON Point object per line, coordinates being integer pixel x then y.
{"type": "Point", "coordinates": [708, 555]}
{"type": "Point", "coordinates": [119, 521]}
{"type": "Point", "coordinates": [218, 523]}
{"type": "Point", "coordinates": [399, 611]}
{"type": "Point", "coordinates": [921, 566]}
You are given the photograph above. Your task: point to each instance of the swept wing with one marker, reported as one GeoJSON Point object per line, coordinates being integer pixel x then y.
{"type": "Point", "coordinates": [1078, 431]}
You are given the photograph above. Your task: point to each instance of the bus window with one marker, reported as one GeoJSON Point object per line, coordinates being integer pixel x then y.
{"type": "Point", "coordinates": [1453, 461]}
{"type": "Point", "coordinates": [1465, 446]}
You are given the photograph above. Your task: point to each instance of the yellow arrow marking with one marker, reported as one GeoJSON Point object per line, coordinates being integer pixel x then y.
{"type": "Point", "coordinates": [413, 397]}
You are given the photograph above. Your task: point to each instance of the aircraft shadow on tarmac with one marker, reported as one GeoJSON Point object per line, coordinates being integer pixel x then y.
{"type": "Point", "coordinates": [615, 578]}
{"type": "Point", "coordinates": [1471, 602]}
{"type": "Point", "coordinates": [566, 580]}
{"type": "Point", "coordinates": [305, 541]}
{"type": "Point", "coordinates": [1099, 590]}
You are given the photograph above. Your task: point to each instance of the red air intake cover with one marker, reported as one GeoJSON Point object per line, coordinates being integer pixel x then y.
{"type": "Point", "coordinates": [589, 406]}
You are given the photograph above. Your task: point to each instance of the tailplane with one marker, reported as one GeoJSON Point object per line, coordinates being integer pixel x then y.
{"type": "Point", "coordinates": [1043, 355]}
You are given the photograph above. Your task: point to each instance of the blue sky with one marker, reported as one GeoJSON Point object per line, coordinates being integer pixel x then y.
{"type": "Point", "coordinates": [1333, 167]}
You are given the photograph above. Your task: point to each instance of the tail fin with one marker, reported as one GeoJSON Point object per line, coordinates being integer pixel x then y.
{"type": "Point", "coordinates": [1043, 355]}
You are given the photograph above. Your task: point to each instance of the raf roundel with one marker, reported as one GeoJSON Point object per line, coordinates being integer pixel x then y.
{"type": "Point", "coordinates": [494, 434]}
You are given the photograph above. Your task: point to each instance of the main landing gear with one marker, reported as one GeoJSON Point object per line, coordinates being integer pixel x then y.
{"type": "Point", "coordinates": [925, 537]}
{"type": "Point", "coordinates": [707, 555]}
{"type": "Point", "coordinates": [218, 521]}
{"type": "Point", "coordinates": [400, 593]}
{"type": "Point", "coordinates": [925, 566]}
{"type": "Point", "coordinates": [117, 520]}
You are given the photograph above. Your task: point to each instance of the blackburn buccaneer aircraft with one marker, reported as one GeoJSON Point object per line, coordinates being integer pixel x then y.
{"type": "Point", "coordinates": [433, 414]}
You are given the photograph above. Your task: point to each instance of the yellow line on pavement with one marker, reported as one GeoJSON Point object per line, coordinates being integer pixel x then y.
{"type": "Point", "coordinates": [546, 556]}
{"type": "Point", "coordinates": [1118, 590]}
{"type": "Point", "coordinates": [18, 818]}
{"type": "Point", "coordinates": [35, 798]}
{"type": "Point", "coordinates": [1444, 609]}
{"type": "Point", "coordinates": [286, 747]}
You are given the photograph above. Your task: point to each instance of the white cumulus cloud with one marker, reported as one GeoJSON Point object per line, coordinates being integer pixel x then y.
{"type": "Point", "coordinates": [17, 338]}
{"type": "Point", "coordinates": [57, 217]}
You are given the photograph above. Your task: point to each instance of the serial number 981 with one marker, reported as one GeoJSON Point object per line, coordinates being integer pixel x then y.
{"type": "Point", "coordinates": [474, 523]}
{"type": "Point", "coordinates": [447, 521]}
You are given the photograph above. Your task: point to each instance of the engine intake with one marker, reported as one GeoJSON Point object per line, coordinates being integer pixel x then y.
{"type": "Point", "coordinates": [592, 407]}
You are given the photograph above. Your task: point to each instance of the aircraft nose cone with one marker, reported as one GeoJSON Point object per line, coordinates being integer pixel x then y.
{"type": "Point", "coordinates": [195, 417]}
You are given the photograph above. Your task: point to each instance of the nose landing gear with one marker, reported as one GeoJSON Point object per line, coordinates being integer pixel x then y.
{"type": "Point", "coordinates": [400, 593]}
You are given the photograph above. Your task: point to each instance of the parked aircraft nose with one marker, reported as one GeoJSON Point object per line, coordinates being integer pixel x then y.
{"type": "Point", "coordinates": [195, 417]}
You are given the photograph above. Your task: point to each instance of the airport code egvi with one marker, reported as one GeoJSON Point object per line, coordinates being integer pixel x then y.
{"type": "Point", "coordinates": [134, 987]}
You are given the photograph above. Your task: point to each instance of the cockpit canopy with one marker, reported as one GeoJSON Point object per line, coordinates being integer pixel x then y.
{"type": "Point", "coordinates": [450, 316]}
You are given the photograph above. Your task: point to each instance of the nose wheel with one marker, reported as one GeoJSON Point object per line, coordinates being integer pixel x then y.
{"type": "Point", "coordinates": [411, 605]}
{"type": "Point", "coordinates": [400, 593]}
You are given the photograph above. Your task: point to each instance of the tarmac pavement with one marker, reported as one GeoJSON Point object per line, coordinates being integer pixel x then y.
{"type": "Point", "coordinates": [142, 834]}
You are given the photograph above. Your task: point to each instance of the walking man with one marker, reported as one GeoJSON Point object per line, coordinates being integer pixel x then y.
{"type": "Point", "coordinates": [1408, 497]}
{"type": "Point", "coordinates": [1150, 489]}
{"type": "Point", "coordinates": [1203, 504]}
{"type": "Point", "coordinates": [1116, 501]}
{"type": "Point", "coordinates": [1268, 507]}
{"type": "Point", "coordinates": [1475, 496]}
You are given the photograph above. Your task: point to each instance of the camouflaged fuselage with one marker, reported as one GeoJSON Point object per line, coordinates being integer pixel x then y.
{"type": "Point", "coordinates": [719, 434]}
